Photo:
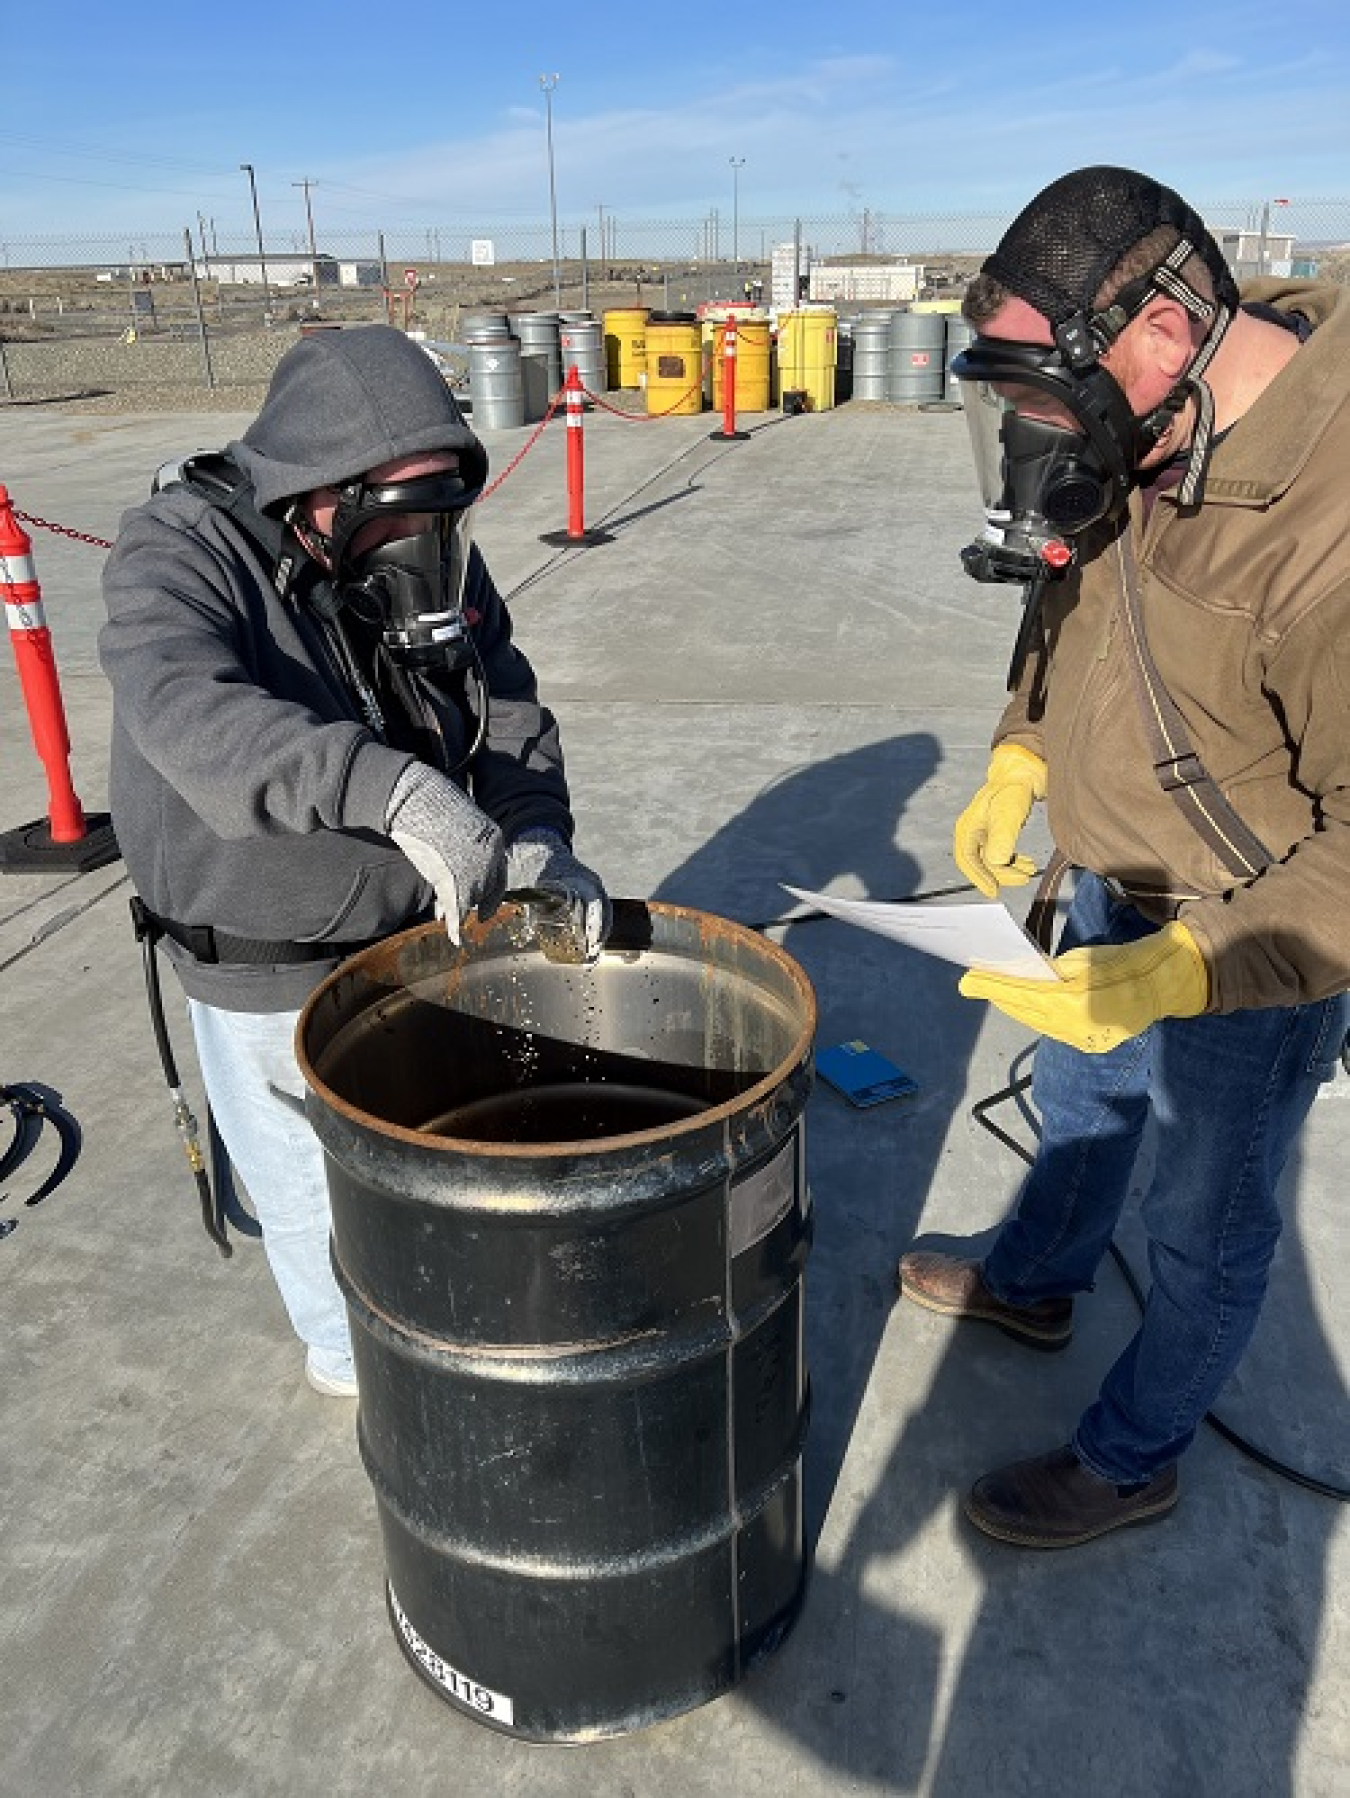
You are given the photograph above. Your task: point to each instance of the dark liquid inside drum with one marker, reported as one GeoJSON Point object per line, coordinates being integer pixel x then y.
{"type": "Point", "coordinates": [571, 1111]}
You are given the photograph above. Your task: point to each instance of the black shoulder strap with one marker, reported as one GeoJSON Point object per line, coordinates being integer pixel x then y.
{"type": "Point", "coordinates": [213, 475]}
{"type": "Point", "coordinates": [1179, 769]}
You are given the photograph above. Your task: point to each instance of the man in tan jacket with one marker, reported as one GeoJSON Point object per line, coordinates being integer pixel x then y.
{"type": "Point", "coordinates": [1165, 465]}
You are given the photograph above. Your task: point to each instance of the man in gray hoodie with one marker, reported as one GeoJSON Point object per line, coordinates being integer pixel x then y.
{"type": "Point", "coordinates": [321, 727]}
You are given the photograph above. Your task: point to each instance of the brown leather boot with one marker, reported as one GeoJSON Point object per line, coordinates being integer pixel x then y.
{"type": "Point", "coordinates": [956, 1288]}
{"type": "Point", "coordinates": [1053, 1501]}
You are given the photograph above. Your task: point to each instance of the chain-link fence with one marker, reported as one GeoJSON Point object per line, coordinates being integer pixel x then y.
{"type": "Point", "coordinates": [207, 312]}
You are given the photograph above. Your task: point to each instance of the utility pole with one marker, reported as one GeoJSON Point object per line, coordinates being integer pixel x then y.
{"type": "Point", "coordinates": [247, 168]}
{"type": "Point", "coordinates": [309, 215]}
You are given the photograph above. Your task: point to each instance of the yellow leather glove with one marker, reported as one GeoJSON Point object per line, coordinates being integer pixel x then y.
{"type": "Point", "coordinates": [1105, 995]}
{"type": "Point", "coordinates": [984, 837]}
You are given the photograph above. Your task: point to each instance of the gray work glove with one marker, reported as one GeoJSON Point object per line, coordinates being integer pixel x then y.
{"type": "Point", "coordinates": [567, 904]}
{"type": "Point", "coordinates": [451, 843]}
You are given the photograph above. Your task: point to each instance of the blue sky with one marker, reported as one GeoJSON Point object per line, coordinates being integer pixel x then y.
{"type": "Point", "coordinates": [135, 119]}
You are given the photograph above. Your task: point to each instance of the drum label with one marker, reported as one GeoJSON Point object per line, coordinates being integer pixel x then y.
{"type": "Point", "coordinates": [474, 1697]}
{"type": "Point", "coordinates": [759, 1201]}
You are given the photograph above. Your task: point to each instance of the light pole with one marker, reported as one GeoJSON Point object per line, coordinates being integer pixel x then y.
{"type": "Point", "coordinates": [247, 168]}
{"type": "Point", "coordinates": [547, 83]}
{"type": "Point", "coordinates": [737, 164]}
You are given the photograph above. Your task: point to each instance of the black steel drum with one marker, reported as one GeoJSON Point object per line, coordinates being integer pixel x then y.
{"type": "Point", "coordinates": [570, 1219]}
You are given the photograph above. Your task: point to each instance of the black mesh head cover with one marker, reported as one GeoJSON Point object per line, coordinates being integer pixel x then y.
{"type": "Point", "coordinates": [1061, 247]}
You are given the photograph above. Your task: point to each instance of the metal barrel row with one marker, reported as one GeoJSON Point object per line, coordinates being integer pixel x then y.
{"type": "Point", "coordinates": [806, 360]}
{"type": "Point", "coordinates": [518, 362]}
{"type": "Point", "coordinates": [905, 356]}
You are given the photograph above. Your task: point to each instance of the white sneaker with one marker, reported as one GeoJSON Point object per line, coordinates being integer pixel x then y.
{"type": "Point", "coordinates": [331, 1385]}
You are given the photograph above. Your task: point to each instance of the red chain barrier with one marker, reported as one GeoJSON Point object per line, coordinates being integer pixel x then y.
{"type": "Point", "coordinates": [492, 486]}
{"type": "Point", "coordinates": [64, 838]}
{"type": "Point", "coordinates": [576, 532]}
{"type": "Point", "coordinates": [642, 418]}
{"type": "Point", "coordinates": [61, 530]}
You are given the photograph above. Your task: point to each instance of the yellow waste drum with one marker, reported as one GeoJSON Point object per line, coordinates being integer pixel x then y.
{"type": "Point", "coordinates": [626, 345]}
{"type": "Point", "coordinates": [708, 319]}
{"type": "Point", "coordinates": [674, 364]}
{"type": "Point", "coordinates": [807, 344]}
{"type": "Point", "coordinates": [752, 362]}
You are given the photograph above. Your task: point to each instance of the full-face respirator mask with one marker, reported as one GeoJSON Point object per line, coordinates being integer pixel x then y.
{"type": "Point", "coordinates": [410, 586]}
{"type": "Point", "coordinates": [1057, 447]}
{"type": "Point", "coordinates": [1055, 452]}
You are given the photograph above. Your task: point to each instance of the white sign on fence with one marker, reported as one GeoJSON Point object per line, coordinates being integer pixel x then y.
{"type": "Point", "coordinates": [482, 252]}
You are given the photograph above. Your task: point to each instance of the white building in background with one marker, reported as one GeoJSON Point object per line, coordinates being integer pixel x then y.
{"type": "Point", "coordinates": [895, 281]}
{"type": "Point", "coordinates": [289, 271]}
{"type": "Point", "coordinates": [1250, 253]}
{"type": "Point", "coordinates": [782, 268]}
{"type": "Point", "coordinates": [834, 282]}
{"type": "Point", "coordinates": [360, 274]}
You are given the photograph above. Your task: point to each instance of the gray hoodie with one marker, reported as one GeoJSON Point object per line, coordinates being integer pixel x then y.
{"type": "Point", "coordinates": [246, 791]}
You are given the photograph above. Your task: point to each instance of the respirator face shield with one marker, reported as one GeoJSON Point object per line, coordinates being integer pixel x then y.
{"type": "Point", "coordinates": [1056, 451]}
{"type": "Point", "coordinates": [400, 557]}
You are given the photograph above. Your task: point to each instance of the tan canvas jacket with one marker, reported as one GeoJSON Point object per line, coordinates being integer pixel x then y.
{"type": "Point", "coordinates": [1246, 606]}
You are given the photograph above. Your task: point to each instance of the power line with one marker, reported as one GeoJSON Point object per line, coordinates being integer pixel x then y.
{"type": "Point", "coordinates": [48, 148]}
{"type": "Point", "coordinates": [121, 186]}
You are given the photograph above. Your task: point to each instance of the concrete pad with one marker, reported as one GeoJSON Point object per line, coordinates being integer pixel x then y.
{"type": "Point", "coordinates": [776, 671]}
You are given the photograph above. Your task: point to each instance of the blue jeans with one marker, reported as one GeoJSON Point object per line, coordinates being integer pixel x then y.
{"type": "Point", "coordinates": [1227, 1095]}
{"type": "Point", "coordinates": [257, 1097]}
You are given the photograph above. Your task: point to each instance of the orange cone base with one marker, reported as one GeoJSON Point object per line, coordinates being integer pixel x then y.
{"type": "Point", "coordinates": [564, 540]}
{"type": "Point", "coordinates": [30, 849]}
{"type": "Point", "coordinates": [728, 436]}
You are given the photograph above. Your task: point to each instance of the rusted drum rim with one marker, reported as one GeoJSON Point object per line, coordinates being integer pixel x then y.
{"type": "Point", "coordinates": [384, 965]}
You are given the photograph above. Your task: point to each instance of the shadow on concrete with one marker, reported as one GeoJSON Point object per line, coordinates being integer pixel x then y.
{"type": "Point", "coordinates": [839, 823]}
{"type": "Point", "coordinates": [1162, 1691]}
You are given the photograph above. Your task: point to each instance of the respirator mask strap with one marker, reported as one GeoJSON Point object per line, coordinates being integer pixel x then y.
{"type": "Point", "coordinates": [1106, 325]}
{"type": "Point", "coordinates": [1192, 488]}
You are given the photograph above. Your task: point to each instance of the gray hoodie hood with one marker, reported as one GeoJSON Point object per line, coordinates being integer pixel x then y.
{"type": "Point", "coordinates": [341, 403]}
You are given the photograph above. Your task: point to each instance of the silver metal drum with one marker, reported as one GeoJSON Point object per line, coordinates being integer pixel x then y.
{"type": "Point", "coordinates": [495, 383]}
{"type": "Point", "coordinates": [476, 325]}
{"type": "Point", "coordinates": [916, 371]}
{"type": "Point", "coordinates": [541, 364]}
{"type": "Point", "coordinates": [583, 348]}
{"type": "Point", "coordinates": [959, 334]}
{"type": "Point", "coordinates": [871, 356]}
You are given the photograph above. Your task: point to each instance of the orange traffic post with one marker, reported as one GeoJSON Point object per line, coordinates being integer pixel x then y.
{"type": "Point", "coordinates": [729, 433]}
{"type": "Point", "coordinates": [65, 838]}
{"type": "Point", "coordinates": [576, 536]}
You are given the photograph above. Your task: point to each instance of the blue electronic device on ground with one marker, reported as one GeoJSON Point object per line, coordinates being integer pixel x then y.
{"type": "Point", "coordinates": [862, 1074]}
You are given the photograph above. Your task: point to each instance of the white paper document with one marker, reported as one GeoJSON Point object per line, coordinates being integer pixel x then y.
{"type": "Point", "coordinates": [986, 937]}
